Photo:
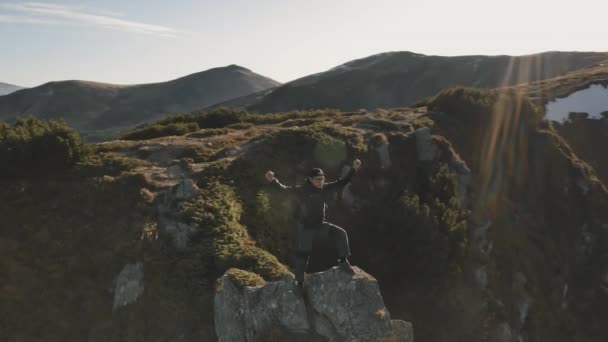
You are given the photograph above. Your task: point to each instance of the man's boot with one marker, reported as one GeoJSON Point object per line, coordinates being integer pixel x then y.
{"type": "Point", "coordinates": [345, 265]}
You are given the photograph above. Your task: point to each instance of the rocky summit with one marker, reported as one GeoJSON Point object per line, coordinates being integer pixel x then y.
{"type": "Point", "coordinates": [333, 305]}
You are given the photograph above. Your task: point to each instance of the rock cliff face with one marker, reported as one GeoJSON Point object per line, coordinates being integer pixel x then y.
{"type": "Point", "coordinates": [333, 306]}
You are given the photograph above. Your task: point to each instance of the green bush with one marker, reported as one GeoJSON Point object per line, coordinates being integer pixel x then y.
{"type": "Point", "coordinates": [425, 228]}
{"type": "Point", "coordinates": [422, 102]}
{"type": "Point", "coordinates": [158, 130]}
{"type": "Point", "coordinates": [240, 125]}
{"type": "Point", "coordinates": [99, 164]}
{"type": "Point", "coordinates": [379, 124]}
{"type": "Point", "coordinates": [34, 147]}
{"type": "Point", "coordinates": [474, 104]}
{"type": "Point", "coordinates": [186, 123]}
{"type": "Point", "coordinates": [270, 222]}
{"type": "Point", "coordinates": [244, 278]}
{"type": "Point", "coordinates": [250, 258]}
{"type": "Point", "coordinates": [221, 117]}
{"type": "Point", "coordinates": [216, 213]}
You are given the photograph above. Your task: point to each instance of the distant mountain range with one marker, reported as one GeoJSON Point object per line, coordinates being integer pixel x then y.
{"type": "Point", "coordinates": [6, 88]}
{"type": "Point", "coordinates": [100, 111]}
{"type": "Point", "coordinates": [397, 79]}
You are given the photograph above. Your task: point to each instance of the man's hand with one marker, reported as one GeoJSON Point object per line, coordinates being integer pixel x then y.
{"type": "Point", "coordinates": [269, 176]}
{"type": "Point", "coordinates": [356, 164]}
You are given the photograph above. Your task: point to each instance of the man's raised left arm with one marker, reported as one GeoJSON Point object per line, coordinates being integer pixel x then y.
{"type": "Point", "coordinates": [342, 181]}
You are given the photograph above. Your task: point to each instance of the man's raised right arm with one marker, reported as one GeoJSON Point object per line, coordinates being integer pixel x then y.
{"type": "Point", "coordinates": [276, 184]}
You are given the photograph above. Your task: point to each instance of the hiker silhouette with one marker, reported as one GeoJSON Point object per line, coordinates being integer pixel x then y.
{"type": "Point", "coordinates": [311, 200]}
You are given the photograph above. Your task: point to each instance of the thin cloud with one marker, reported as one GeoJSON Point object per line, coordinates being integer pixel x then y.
{"type": "Point", "coordinates": [19, 19]}
{"type": "Point", "coordinates": [45, 13]}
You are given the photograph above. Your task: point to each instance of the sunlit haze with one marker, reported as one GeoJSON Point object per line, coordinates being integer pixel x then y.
{"type": "Point", "coordinates": [137, 41]}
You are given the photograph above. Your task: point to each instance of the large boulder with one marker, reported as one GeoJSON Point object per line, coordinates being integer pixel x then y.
{"type": "Point", "coordinates": [333, 306]}
{"type": "Point", "coordinates": [425, 146]}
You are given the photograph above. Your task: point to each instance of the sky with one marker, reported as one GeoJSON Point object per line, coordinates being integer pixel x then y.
{"type": "Point", "coordinates": [137, 41]}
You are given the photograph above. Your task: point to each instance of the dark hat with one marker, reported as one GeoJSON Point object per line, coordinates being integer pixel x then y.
{"type": "Point", "coordinates": [315, 172]}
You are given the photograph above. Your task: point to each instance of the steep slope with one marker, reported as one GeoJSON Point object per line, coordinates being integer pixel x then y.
{"type": "Point", "coordinates": [398, 79]}
{"type": "Point", "coordinates": [588, 138]}
{"type": "Point", "coordinates": [577, 102]}
{"type": "Point", "coordinates": [100, 110]}
{"type": "Point", "coordinates": [561, 86]}
{"type": "Point", "coordinates": [6, 88]}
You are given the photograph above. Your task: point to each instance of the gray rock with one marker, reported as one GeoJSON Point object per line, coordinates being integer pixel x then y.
{"type": "Point", "coordinates": [585, 244]}
{"type": "Point", "coordinates": [169, 202]}
{"type": "Point", "coordinates": [276, 304]}
{"type": "Point", "coordinates": [521, 301]}
{"type": "Point", "coordinates": [583, 184]}
{"type": "Point", "coordinates": [228, 312]}
{"type": "Point", "coordinates": [129, 285]}
{"type": "Point", "coordinates": [383, 155]}
{"type": "Point", "coordinates": [480, 248]}
{"type": "Point", "coordinates": [403, 331]}
{"type": "Point", "coordinates": [179, 231]}
{"type": "Point", "coordinates": [348, 198]}
{"type": "Point", "coordinates": [425, 146]}
{"type": "Point", "coordinates": [254, 313]}
{"type": "Point", "coordinates": [184, 190]}
{"type": "Point", "coordinates": [604, 283]}
{"type": "Point", "coordinates": [463, 179]}
{"type": "Point", "coordinates": [480, 276]}
{"type": "Point", "coordinates": [333, 306]}
{"type": "Point", "coordinates": [351, 304]}
{"type": "Point", "coordinates": [481, 245]}
{"type": "Point", "coordinates": [501, 333]}
{"type": "Point", "coordinates": [564, 297]}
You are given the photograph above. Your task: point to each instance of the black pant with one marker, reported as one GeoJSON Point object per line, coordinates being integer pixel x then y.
{"type": "Point", "coordinates": [306, 233]}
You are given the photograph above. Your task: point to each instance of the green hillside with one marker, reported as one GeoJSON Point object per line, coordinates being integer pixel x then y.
{"type": "Point", "coordinates": [172, 208]}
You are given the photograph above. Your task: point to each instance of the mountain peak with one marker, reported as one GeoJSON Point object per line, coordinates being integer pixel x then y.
{"type": "Point", "coordinates": [236, 67]}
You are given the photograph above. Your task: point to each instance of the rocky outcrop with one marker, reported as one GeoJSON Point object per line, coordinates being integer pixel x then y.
{"type": "Point", "coordinates": [426, 148]}
{"type": "Point", "coordinates": [129, 285]}
{"type": "Point", "coordinates": [333, 306]}
{"type": "Point", "coordinates": [168, 203]}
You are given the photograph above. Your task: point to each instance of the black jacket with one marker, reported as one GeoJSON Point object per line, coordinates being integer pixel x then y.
{"type": "Point", "coordinates": [312, 201]}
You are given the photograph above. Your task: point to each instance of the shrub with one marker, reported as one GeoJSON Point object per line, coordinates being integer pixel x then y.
{"type": "Point", "coordinates": [186, 123]}
{"type": "Point", "coordinates": [112, 164]}
{"type": "Point", "coordinates": [251, 258]}
{"type": "Point", "coordinates": [158, 130]}
{"type": "Point", "coordinates": [34, 147]}
{"type": "Point", "coordinates": [221, 117]}
{"type": "Point", "coordinates": [426, 229]}
{"type": "Point", "coordinates": [271, 217]}
{"type": "Point", "coordinates": [379, 124]}
{"type": "Point", "coordinates": [471, 105]}
{"type": "Point", "coordinates": [244, 278]}
{"type": "Point", "coordinates": [240, 125]}
{"type": "Point", "coordinates": [216, 213]}
{"type": "Point", "coordinates": [492, 130]}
